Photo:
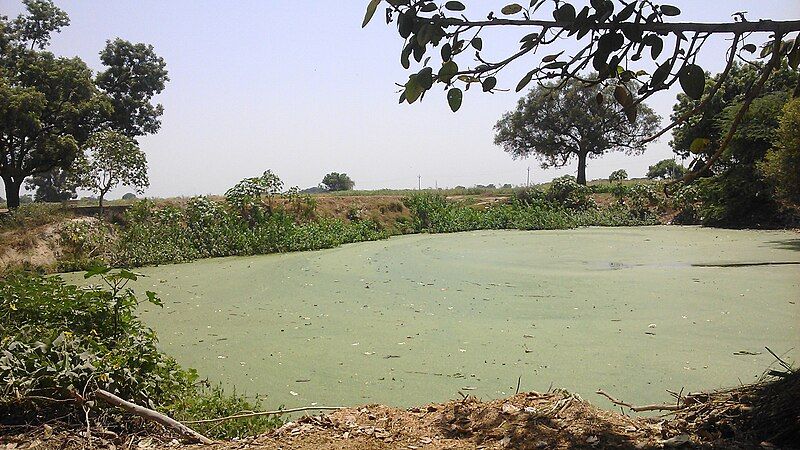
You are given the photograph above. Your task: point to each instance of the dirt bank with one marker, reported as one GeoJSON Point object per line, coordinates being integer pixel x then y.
{"type": "Point", "coordinates": [553, 420]}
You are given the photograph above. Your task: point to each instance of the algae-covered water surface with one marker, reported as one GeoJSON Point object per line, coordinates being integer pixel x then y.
{"type": "Point", "coordinates": [414, 319]}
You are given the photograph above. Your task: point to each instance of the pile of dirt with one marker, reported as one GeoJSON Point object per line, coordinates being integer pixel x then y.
{"type": "Point", "coordinates": [553, 420]}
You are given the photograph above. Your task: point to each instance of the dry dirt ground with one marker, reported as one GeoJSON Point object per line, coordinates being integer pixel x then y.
{"type": "Point", "coordinates": [554, 420]}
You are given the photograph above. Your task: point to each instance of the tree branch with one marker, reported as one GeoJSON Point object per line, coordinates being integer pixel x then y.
{"type": "Point", "coordinates": [774, 26]}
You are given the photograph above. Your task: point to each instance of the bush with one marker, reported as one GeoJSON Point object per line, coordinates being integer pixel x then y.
{"type": "Point", "coordinates": [61, 342]}
{"type": "Point", "coordinates": [666, 168]}
{"type": "Point", "coordinates": [618, 175]}
{"type": "Point", "coordinates": [565, 191]}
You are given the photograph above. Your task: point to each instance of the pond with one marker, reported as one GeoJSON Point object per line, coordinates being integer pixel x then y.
{"type": "Point", "coordinates": [418, 318]}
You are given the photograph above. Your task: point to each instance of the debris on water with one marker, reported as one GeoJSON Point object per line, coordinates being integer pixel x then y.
{"type": "Point", "coordinates": [294, 393]}
{"type": "Point", "coordinates": [652, 325]}
{"type": "Point", "coordinates": [745, 352]}
{"type": "Point", "coordinates": [303, 380]}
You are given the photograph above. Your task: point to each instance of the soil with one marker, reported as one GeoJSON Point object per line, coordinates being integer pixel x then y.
{"type": "Point", "coordinates": [553, 420]}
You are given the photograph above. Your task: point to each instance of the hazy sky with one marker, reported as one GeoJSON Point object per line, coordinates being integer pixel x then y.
{"type": "Point", "coordinates": [298, 87]}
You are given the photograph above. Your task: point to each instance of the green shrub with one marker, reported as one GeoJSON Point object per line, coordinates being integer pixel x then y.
{"type": "Point", "coordinates": [59, 342]}
{"type": "Point", "coordinates": [618, 175]}
{"type": "Point", "coordinates": [566, 191]}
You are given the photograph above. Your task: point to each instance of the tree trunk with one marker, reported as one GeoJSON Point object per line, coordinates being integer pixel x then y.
{"type": "Point", "coordinates": [582, 168]}
{"type": "Point", "coordinates": [12, 191]}
{"type": "Point", "coordinates": [102, 194]}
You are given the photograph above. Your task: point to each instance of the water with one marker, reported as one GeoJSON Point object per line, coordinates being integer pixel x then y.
{"type": "Point", "coordinates": [415, 319]}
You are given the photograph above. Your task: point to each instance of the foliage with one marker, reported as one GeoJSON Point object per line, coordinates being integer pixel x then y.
{"type": "Point", "coordinates": [60, 340]}
{"type": "Point", "coordinates": [737, 195]}
{"type": "Point", "coordinates": [31, 215]}
{"type": "Point", "coordinates": [249, 193]}
{"type": "Point", "coordinates": [568, 193]}
{"type": "Point", "coordinates": [781, 166]}
{"type": "Point", "coordinates": [110, 159]}
{"type": "Point", "coordinates": [49, 105]}
{"type": "Point", "coordinates": [129, 196]}
{"type": "Point", "coordinates": [666, 168]}
{"type": "Point", "coordinates": [336, 181]}
{"type": "Point", "coordinates": [213, 401]}
{"type": "Point", "coordinates": [559, 125]}
{"type": "Point", "coordinates": [615, 37]}
{"type": "Point", "coordinates": [52, 186]}
{"type": "Point", "coordinates": [134, 74]}
{"type": "Point", "coordinates": [529, 210]}
{"type": "Point", "coordinates": [705, 128]}
{"type": "Point", "coordinates": [618, 175]}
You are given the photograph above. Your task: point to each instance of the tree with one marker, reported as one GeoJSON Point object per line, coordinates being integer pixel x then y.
{"type": "Point", "coordinates": [129, 196]}
{"type": "Point", "coordinates": [781, 166]}
{"type": "Point", "coordinates": [50, 105]}
{"type": "Point", "coordinates": [575, 122]}
{"type": "Point", "coordinates": [336, 181]}
{"type": "Point", "coordinates": [111, 159]}
{"type": "Point", "coordinates": [666, 169]}
{"type": "Point", "coordinates": [52, 186]}
{"type": "Point", "coordinates": [618, 175]}
{"type": "Point", "coordinates": [612, 36]}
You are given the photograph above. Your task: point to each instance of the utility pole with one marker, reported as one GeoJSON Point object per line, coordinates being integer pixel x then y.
{"type": "Point", "coordinates": [419, 182]}
{"type": "Point", "coordinates": [528, 184]}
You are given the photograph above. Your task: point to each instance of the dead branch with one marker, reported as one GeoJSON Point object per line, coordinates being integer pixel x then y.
{"type": "Point", "coordinates": [266, 413]}
{"type": "Point", "coordinates": [153, 416]}
{"type": "Point", "coordinates": [664, 407]}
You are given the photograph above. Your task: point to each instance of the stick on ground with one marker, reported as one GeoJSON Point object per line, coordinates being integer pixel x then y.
{"type": "Point", "coordinates": [151, 415]}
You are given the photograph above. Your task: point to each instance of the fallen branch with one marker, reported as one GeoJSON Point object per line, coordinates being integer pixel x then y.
{"type": "Point", "coordinates": [676, 407]}
{"type": "Point", "coordinates": [151, 415]}
{"type": "Point", "coordinates": [266, 413]}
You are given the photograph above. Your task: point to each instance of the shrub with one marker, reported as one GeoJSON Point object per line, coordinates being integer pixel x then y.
{"type": "Point", "coordinates": [781, 166]}
{"type": "Point", "coordinates": [60, 342]}
{"type": "Point", "coordinates": [566, 191]}
{"type": "Point", "coordinates": [618, 175]}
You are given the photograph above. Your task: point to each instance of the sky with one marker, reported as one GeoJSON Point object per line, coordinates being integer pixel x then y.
{"type": "Point", "coordinates": [300, 88]}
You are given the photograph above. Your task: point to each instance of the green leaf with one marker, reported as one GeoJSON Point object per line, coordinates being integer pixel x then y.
{"type": "Point", "coordinates": [489, 84]}
{"type": "Point", "coordinates": [599, 98]}
{"type": "Point", "coordinates": [699, 145]}
{"type": "Point", "coordinates": [373, 5]}
{"type": "Point", "coordinates": [655, 47]}
{"type": "Point", "coordinates": [766, 50]}
{"type": "Point", "coordinates": [428, 7]}
{"type": "Point", "coordinates": [550, 58]}
{"type": "Point", "coordinates": [693, 80]}
{"type": "Point", "coordinates": [524, 81]}
{"type": "Point", "coordinates": [425, 78]}
{"type": "Point", "coordinates": [447, 52]}
{"type": "Point", "coordinates": [126, 275]}
{"type": "Point", "coordinates": [669, 10]}
{"type": "Point", "coordinates": [153, 298]}
{"type": "Point", "coordinates": [513, 8]}
{"type": "Point", "coordinates": [566, 13]}
{"type": "Point", "coordinates": [454, 98]}
{"type": "Point", "coordinates": [750, 48]}
{"type": "Point", "coordinates": [794, 54]}
{"type": "Point", "coordinates": [413, 89]}
{"type": "Point", "coordinates": [96, 270]}
{"type": "Point", "coordinates": [477, 43]}
{"type": "Point", "coordinates": [454, 6]}
{"type": "Point", "coordinates": [448, 71]}
{"type": "Point", "coordinates": [626, 12]}
{"type": "Point", "coordinates": [660, 75]}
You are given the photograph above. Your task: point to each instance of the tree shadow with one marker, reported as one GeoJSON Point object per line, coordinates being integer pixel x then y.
{"type": "Point", "coordinates": [786, 244]}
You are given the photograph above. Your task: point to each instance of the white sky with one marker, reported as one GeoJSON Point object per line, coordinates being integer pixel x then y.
{"type": "Point", "coordinates": [298, 87]}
